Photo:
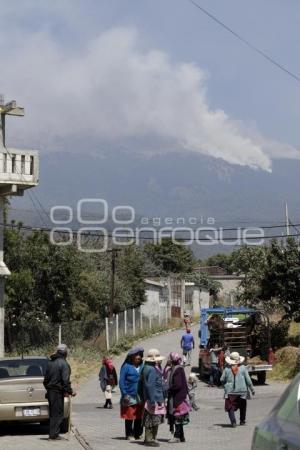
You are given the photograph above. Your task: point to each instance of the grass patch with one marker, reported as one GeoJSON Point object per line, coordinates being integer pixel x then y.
{"type": "Point", "coordinates": [294, 329]}
{"type": "Point", "coordinates": [86, 358]}
{"type": "Point", "coordinates": [287, 364]}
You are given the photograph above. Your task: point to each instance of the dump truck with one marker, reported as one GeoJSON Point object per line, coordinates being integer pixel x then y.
{"type": "Point", "coordinates": [242, 330]}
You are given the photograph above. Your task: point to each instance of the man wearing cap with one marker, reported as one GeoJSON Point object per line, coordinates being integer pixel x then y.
{"type": "Point", "coordinates": [237, 382]}
{"type": "Point", "coordinates": [57, 384]}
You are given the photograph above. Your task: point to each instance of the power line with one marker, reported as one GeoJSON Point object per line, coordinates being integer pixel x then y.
{"type": "Point", "coordinates": [133, 235]}
{"type": "Point", "coordinates": [264, 227]}
{"type": "Point", "coordinates": [246, 42]}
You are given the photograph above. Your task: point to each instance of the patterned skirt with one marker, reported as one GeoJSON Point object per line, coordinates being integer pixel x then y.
{"type": "Point", "coordinates": [152, 420]}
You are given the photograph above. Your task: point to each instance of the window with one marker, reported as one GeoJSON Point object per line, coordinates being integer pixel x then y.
{"type": "Point", "coordinates": [4, 162]}
{"type": "Point", "coordinates": [13, 163]}
{"type": "Point", "coordinates": [31, 170]}
{"type": "Point", "coordinates": [288, 410]}
{"type": "Point", "coordinates": [22, 163]}
{"type": "Point", "coordinates": [23, 368]}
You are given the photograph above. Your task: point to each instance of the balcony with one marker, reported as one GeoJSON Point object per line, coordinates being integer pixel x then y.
{"type": "Point", "coordinates": [19, 170]}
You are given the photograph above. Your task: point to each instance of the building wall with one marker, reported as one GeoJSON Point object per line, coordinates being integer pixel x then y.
{"type": "Point", "coordinates": [151, 306]}
{"type": "Point", "coordinates": [230, 288]}
{"type": "Point", "coordinates": [204, 299]}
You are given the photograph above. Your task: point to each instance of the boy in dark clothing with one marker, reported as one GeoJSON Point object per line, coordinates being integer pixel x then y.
{"type": "Point", "coordinates": [57, 384]}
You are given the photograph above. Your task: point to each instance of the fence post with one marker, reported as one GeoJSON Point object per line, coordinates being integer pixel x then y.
{"type": "Point", "coordinates": [107, 333]}
{"type": "Point", "coordinates": [150, 321]}
{"type": "Point", "coordinates": [117, 327]}
{"type": "Point", "coordinates": [133, 321]}
{"type": "Point", "coordinates": [59, 334]}
{"type": "Point", "coordinates": [141, 319]}
{"type": "Point", "coordinates": [125, 322]}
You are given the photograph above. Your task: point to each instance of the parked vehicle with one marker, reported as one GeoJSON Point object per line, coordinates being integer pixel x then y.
{"type": "Point", "coordinates": [281, 429]}
{"type": "Point", "coordinates": [22, 394]}
{"type": "Point", "coordinates": [243, 330]}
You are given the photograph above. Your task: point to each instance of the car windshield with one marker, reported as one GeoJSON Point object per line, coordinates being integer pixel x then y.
{"type": "Point", "coordinates": [288, 410]}
{"type": "Point", "coordinates": [12, 368]}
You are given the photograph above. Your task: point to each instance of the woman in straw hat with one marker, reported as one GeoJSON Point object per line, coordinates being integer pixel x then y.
{"type": "Point", "coordinates": [237, 382]}
{"type": "Point", "coordinates": [131, 405]}
{"type": "Point", "coordinates": [178, 405]}
{"type": "Point", "coordinates": [152, 388]}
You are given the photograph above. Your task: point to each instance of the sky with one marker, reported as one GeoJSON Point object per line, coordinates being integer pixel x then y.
{"type": "Point", "coordinates": [158, 75]}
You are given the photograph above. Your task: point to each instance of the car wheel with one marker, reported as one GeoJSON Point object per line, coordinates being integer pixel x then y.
{"type": "Point", "coordinates": [64, 428]}
{"type": "Point", "coordinates": [261, 377]}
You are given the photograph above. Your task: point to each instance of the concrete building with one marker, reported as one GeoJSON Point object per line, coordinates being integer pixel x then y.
{"type": "Point", "coordinates": [19, 170]}
{"type": "Point", "coordinates": [230, 289]}
{"type": "Point", "coordinates": [157, 299]}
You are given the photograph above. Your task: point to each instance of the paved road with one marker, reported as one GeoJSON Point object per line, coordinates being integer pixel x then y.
{"type": "Point", "coordinates": [209, 429]}
{"type": "Point", "coordinates": [32, 437]}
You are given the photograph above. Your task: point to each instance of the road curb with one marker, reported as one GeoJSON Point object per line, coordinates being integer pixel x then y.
{"type": "Point", "coordinates": [80, 438]}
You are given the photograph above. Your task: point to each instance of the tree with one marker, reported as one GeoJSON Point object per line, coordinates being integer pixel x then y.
{"type": "Point", "coordinates": [204, 281]}
{"type": "Point", "coordinates": [220, 260]}
{"type": "Point", "coordinates": [272, 276]}
{"type": "Point", "coordinates": [171, 257]}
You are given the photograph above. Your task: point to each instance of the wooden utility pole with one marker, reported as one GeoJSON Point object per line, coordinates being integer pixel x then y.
{"type": "Point", "coordinates": [114, 254]}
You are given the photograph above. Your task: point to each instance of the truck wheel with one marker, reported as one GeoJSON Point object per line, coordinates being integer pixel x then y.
{"type": "Point", "coordinates": [64, 428]}
{"type": "Point", "coordinates": [261, 377]}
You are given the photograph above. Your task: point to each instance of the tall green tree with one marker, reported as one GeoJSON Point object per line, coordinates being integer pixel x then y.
{"type": "Point", "coordinates": [171, 257]}
{"type": "Point", "coordinates": [220, 260]}
{"type": "Point", "coordinates": [271, 276]}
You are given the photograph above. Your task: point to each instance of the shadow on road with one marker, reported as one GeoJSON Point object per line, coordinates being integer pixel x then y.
{"type": "Point", "coordinates": [23, 429]}
{"type": "Point", "coordinates": [223, 425]}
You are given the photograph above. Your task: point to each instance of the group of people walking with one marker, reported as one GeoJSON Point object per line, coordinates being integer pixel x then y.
{"type": "Point", "coordinates": [151, 393]}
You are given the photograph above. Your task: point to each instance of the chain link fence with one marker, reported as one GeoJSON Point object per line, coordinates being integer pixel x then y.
{"type": "Point", "coordinates": [27, 337]}
{"type": "Point", "coordinates": [133, 322]}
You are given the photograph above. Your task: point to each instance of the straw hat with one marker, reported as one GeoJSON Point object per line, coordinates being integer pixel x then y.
{"type": "Point", "coordinates": [234, 358]}
{"type": "Point", "coordinates": [154, 356]}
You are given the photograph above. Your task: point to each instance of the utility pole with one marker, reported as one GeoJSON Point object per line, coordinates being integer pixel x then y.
{"type": "Point", "coordinates": [18, 171]}
{"type": "Point", "coordinates": [287, 221]}
{"type": "Point", "coordinates": [114, 253]}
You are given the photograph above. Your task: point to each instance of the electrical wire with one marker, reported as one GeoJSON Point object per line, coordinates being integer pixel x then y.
{"type": "Point", "coordinates": [264, 227]}
{"type": "Point", "coordinates": [133, 235]}
{"type": "Point", "coordinates": [246, 42]}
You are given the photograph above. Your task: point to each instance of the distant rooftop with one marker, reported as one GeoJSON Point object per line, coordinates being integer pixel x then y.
{"type": "Point", "coordinates": [211, 270]}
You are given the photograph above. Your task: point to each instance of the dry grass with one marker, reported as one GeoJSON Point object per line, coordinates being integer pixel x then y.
{"type": "Point", "coordinates": [287, 364]}
{"type": "Point", "coordinates": [294, 329]}
{"type": "Point", "coordinates": [87, 359]}
{"type": "Point", "coordinates": [82, 369]}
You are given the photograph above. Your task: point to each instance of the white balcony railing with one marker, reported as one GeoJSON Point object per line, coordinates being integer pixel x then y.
{"type": "Point", "coordinates": [18, 168]}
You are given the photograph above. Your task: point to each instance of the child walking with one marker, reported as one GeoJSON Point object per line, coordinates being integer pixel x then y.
{"type": "Point", "coordinates": [108, 380]}
{"type": "Point", "coordinates": [192, 386]}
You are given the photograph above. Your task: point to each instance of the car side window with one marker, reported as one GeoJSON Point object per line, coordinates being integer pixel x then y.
{"type": "Point", "coordinates": [289, 410]}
